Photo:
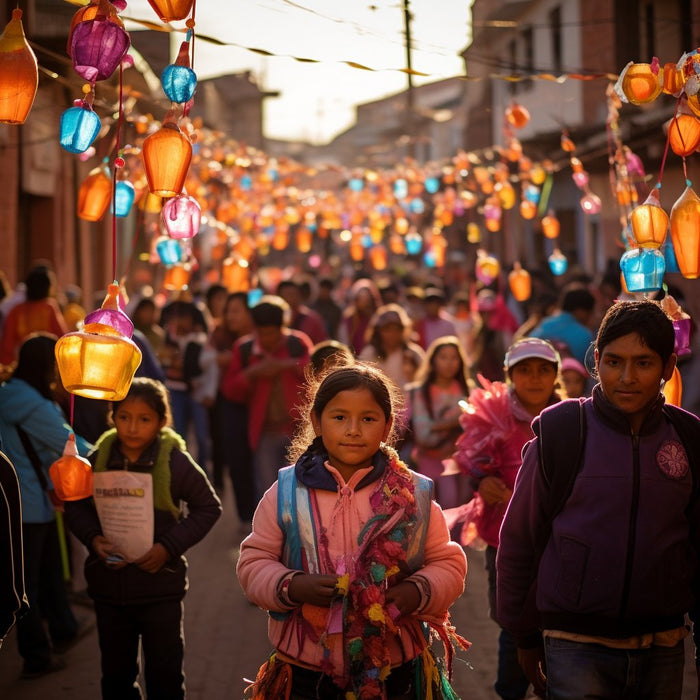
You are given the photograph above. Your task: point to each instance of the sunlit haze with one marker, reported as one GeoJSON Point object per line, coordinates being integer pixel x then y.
{"type": "Point", "coordinates": [316, 99]}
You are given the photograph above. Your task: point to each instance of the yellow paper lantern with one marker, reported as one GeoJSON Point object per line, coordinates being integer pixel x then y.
{"type": "Point", "coordinates": [641, 84]}
{"type": "Point", "coordinates": [673, 79]}
{"type": "Point", "coordinates": [505, 194]}
{"type": "Point", "coordinates": [649, 222]}
{"type": "Point", "coordinates": [19, 74]}
{"type": "Point", "coordinates": [95, 194]}
{"type": "Point", "coordinates": [304, 239]}
{"type": "Point", "coordinates": [473, 233]}
{"type": "Point", "coordinates": [97, 362]}
{"type": "Point", "coordinates": [520, 282]}
{"type": "Point", "coordinates": [685, 233]}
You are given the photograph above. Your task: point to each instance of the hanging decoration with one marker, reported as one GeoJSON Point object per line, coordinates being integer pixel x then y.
{"type": "Point", "coordinates": [167, 154]}
{"type": "Point", "coordinates": [79, 125]}
{"type": "Point", "coordinates": [178, 79]}
{"type": "Point", "coordinates": [19, 73]}
{"type": "Point", "coordinates": [71, 474]}
{"type": "Point", "coordinates": [94, 194]}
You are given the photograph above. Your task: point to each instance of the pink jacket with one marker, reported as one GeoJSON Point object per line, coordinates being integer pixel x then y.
{"type": "Point", "coordinates": [343, 513]}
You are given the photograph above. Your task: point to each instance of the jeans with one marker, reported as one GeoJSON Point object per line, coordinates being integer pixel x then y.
{"type": "Point", "coordinates": [46, 592]}
{"type": "Point", "coordinates": [159, 628]}
{"type": "Point", "coordinates": [270, 457]}
{"type": "Point", "coordinates": [578, 671]}
{"type": "Point", "coordinates": [185, 411]}
{"type": "Point", "coordinates": [511, 683]}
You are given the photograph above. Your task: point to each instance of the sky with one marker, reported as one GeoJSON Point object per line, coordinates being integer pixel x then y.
{"type": "Point", "coordinates": [316, 100]}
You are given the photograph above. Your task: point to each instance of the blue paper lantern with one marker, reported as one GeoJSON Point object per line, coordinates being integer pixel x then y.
{"type": "Point", "coordinates": [124, 194]}
{"type": "Point", "coordinates": [643, 269]}
{"type": "Point", "coordinates": [532, 194]}
{"type": "Point", "coordinates": [169, 250]}
{"type": "Point", "coordinates": [414, 243]}
{"type": "Point", "coordinates": [179, 82]}
{"type": "Point", "coordinates": [79, 128]}
{"type": "Point", "coordinates": [356, 184]}
{"type": "Point", "coordinates": [558, 263]}
{"type": "Point", "coordinates": [400, 188]}
{"type": "Point", "coordinates": [670, 256]}
{"type": "Point", "coordinates": [432, 185]}
{"type": "Point", "coordinates": [417, 205]}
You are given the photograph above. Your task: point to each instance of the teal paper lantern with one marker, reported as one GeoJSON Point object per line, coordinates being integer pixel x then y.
{"type": "Point", "coordinates": [558, 263]}
{"type": "Point", "coordinates": [643, 269]}
{"type": "Point", "coordinates": [169, 250]}
{"type": "Point", "coordinates": [413, 242]}
{"type": "Point", "coordinates": [179, 83]}
{"type": "Point", "coordinates": [124, 194]}
{"type": "Point", "coordinates": [79, 128]}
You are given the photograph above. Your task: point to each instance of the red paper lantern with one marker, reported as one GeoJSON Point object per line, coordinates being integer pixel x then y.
{"type": "Point", "coordinates": [171, 10]}
{"type": "Point", "coordinates": [167, 154]}
{"type": "Point", "coordinates": [685, 233]}
{"type": "Point", "coordinates": [19, 75]}
{"type": "Point", "coordinates": [95, 194]}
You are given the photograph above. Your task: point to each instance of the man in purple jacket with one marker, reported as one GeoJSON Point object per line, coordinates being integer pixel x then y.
{"type": "Point", "coordinates": [596, 593]}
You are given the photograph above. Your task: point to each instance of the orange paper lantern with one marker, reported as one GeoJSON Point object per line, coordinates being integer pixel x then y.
{"type": "Point", "coordinates": [167, 154]}
{"type": "Point", "coordinates": [685, 233]}
{"type": "Point", "coordinates": [71, 474]}
{"type": "Point", "coordinates": [684, 134]}
{"type": "Point", "coordinates": [649, 222]}
{"type": "Point", "coordinates": [550, 226]}
{"type": "Point", "coordinates": [177, 276]}
{"type": "Point", "coordinates": [517, 115]}
{"type": "Point", "coordinates": [640, 84]}
{"type": "Point", "coordinates": [673, 80]}
{"type": "Point", "coordinates": [528, 209]}
{"type": "Point", "coordinates": [235, 275]}
{"type": "Point", "coordinates": [19, 75]}
{"type": "Point", "coordinates": [520, 282]}
{"type": "Point", "coordinates": [673, 388]}
{"type": "Point", "coordinates": [95, 194]}
{"type": "Point", "coordinates": [171, 10]}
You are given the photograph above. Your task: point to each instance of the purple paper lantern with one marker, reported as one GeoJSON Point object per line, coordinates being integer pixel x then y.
{"type": "Point", "coordinates": [181, 216]}
{"type": "Point", "coordinates": [97, 47]}
{"type": "Point", "coordinates": [111, 313]}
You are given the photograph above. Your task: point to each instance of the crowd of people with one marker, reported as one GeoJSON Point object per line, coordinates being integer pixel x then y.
{"type": "Point", "coordinates": [413, 417]}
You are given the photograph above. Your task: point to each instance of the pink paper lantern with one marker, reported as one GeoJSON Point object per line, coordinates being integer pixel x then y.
{"type": "Point", "coordinates": [182, 216]}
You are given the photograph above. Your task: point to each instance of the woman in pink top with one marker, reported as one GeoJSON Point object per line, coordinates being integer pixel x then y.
{"type": "Point", "coordinates": [351, 556]}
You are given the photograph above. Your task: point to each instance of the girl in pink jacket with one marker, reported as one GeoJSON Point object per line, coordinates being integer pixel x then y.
{"type": "Point", "coordinates": [351, 556]}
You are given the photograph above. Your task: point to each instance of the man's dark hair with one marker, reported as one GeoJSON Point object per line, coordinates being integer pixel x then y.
{"type": "Point", "coordinates": [269, 311]}
{"type": "Point", "coordinates": [36, 364]}
{"type": "Point", "coordinates": [644, 318]}
{"type": "Point", "coordinates": [286, 284]}
{"type": "Point", "coordinates": [577, 297]}
{"type": "Point", "coordinates": [213, 290]}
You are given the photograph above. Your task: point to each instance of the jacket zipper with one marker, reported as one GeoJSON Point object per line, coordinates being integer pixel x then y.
{"type": "Point", "coordinates": [632, 536]}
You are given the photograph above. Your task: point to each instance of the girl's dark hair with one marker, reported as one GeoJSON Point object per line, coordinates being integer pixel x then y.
{"type": "Point", "coordinates": [36, 364]}
{"type": "Point", "coordinates": [327, 354]}
{"type": "Point", "coordinates": [426, 372]}
{"type": "Point", "coordinates": [322, 389]}
{"type": "Point", "coordinates": [644, 318]}
{"type": "Point", "coordinates": [241, 296]}
{"type": "Point", "coordinates": [151, 392]}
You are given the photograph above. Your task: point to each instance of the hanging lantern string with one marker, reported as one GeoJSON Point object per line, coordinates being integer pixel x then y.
{"type": "Point", "coordinates": [72, 408]}
{"type": "Point", "coordinates": [190, 27]}
{"type": "Point", "coordinates": [668, 142]}
{"type": "Point", "coordinates": [118, 163]}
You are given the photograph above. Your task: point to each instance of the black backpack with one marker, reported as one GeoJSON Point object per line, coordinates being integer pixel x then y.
{"type": "Point", "coordinates": [563, 431]}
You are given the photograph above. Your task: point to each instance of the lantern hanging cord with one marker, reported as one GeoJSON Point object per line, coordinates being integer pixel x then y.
{"type": "Point", "coordinates": [72, 408]}
{"type": "Point", "coordinates": [190, 32]}
{"type": "Point", "coordinates": [118, 163]}
{"type": "Point", "coordinates": [668, 142]}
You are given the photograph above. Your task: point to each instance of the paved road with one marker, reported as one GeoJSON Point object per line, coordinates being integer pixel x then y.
{"type": "Point", "coordinates": [226, 640]}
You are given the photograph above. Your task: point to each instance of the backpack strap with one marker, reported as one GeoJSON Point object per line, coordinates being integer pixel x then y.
{"type": "Point", "coordinates": [686, 425]}
{"type": "Point", "coordinates": [561, 430]}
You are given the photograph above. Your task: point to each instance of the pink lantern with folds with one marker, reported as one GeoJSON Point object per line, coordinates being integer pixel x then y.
{"type": "Point", "coordinates": [181, 216]}
{"type": "Point", "coordinates": [98, 45]}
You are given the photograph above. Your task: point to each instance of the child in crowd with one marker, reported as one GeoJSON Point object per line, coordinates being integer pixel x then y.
{"type": "Point", "coordinates": [496, 425]}
{"type": "Point", "coordinates": [435, 412]}
{"type": "Point", "coordinates": [141, 597]}
{"type": "Point", "coordinates": [351, 555]}
{"type": "Point", "coordinates": [575, 378]}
